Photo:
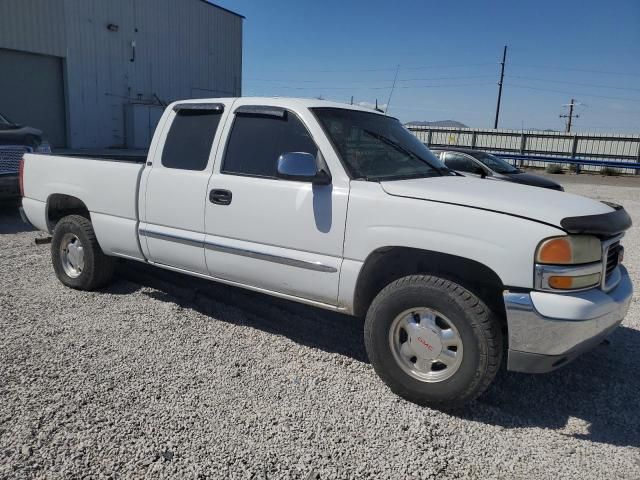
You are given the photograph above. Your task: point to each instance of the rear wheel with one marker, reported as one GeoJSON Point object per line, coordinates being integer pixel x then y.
{"type": "Point", "coordinates": [77, 257]}
{"type": "Point", "coordinates": [432, 341]}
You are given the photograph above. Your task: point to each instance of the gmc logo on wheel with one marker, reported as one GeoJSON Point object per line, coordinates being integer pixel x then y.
{"type": "Point", "coordinates": [425, 344]}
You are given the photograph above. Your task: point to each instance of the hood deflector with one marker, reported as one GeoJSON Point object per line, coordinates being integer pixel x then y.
{"type": "Point", "coordinates": [602, 225]}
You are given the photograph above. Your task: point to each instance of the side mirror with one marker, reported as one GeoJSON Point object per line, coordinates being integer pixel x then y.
{"type": "Point", "coordinates": [302, 167]}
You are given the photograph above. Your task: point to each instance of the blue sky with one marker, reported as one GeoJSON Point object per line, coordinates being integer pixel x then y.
{"type": "Point", "coordinates": [449, 55]}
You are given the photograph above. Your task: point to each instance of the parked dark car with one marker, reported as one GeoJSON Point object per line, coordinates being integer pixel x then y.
{"type": "Point", "coordinates": [485, 165]}
{"type": "Point", "coordinates": [15, 141]}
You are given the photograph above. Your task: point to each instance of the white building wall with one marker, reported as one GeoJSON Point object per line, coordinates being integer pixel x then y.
{"type": "Point", "coordinates": [183, 49]}
{"type": "Point", "coordinates": [35, 26]}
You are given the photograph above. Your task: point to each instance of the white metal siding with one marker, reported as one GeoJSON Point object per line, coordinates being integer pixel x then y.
{"type": "Point", "coordinates": [184, 49]}
{"type": "Point", "coordinates": [35, 26]}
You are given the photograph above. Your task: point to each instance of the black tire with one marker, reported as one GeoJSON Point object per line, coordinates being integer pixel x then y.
{"type": "Point", "coordinates": [98, 268]}
{"type": "Point", "coordinates": [477, 326]}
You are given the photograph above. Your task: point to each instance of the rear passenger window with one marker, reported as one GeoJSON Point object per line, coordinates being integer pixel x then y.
{"type": "Point", "coordinates": [256, 142]}
{"type": "Point", "coordinates": [190, 138]}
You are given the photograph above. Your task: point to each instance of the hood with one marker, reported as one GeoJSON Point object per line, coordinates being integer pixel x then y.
{"type": "Point", "coordinates": [529, 179]}
{"type": "Point", "coordinates": [542, 205]}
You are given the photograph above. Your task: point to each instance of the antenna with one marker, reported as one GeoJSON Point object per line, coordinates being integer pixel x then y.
{"type": "Point", "coordinates": [391, 92]}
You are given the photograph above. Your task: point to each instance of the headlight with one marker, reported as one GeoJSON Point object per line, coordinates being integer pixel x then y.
{"type": "Point", "coordinates": [569, 250]}
{"type": "Point", "coordinates": [572, 262]}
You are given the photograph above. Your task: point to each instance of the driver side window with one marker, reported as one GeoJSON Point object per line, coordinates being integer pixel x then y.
{"type": "Point", "coordinates": [461, 163]}
{"type": "Point", "coordinates": [256, 142]}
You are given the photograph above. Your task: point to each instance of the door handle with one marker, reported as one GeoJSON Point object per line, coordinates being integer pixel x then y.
{"type": "Point", "coordinates": [220, 197]}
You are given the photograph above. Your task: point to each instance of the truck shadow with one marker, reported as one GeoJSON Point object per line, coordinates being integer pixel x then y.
{"type": "Point", "coordinates": [10, 221]}
{"type": "Point", "coordinates": [596, 398]}
{"type": "Point", "coordinates": [310, 326]}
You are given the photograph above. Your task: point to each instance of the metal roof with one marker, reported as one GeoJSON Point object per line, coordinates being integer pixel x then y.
{"type": "Point", "coordinates": [222, 8]}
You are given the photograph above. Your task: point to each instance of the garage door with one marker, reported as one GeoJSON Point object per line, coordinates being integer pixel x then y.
{"type": "Point", "coordinates": [32, 93]}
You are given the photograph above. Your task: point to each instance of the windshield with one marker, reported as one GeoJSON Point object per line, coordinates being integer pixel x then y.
{"type": "Point", "coordinates": [496, 164]}
{"type": "Point", "coordinates": [4, 120]}
{"type": "Point", "coordinates": [375, 147]}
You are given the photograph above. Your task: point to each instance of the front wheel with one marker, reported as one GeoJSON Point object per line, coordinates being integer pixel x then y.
{"type": "Point", "coordinates": [432, 341]}
{"type": "Point", "coordinates": [77, 258]}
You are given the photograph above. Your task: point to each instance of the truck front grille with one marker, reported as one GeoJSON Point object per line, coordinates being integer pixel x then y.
{"type": "Point", "coordinates": [10, 156]}
{"type": "Point", "coordinates": [612, 259]}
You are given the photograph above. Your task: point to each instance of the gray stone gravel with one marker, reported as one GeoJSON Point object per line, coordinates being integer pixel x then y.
{"type": "Point", "coordinates": [163, 376]}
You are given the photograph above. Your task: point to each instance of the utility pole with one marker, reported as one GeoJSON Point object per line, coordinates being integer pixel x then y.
{"type": "Point", "coordinates": [504, 59]}
{"type": "Point", "coordinates": [570, 116]}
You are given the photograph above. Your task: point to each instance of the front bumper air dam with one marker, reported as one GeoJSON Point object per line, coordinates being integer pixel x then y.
{"type": "Point", "coordinates": [548, 330]}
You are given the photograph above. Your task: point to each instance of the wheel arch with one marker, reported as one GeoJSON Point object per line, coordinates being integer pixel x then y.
{"type": "Point", "coordinates": [387, 264]}
{"type": "Point", "coordinates": [59, 205]}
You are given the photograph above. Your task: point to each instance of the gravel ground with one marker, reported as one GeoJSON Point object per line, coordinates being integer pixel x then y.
{"type": "Point", "coordinates": [163, 376]}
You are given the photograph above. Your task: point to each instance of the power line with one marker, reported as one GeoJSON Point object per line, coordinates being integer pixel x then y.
{"type": "Point", "coordinates": [393, 69]}
{"type": "Point", "coordinates": [419, 108]}
{"type": "Point", "coordinates": [320, 87]}
{"type": "Point", "coordinates": [312, 81]}
{"type": "Point", "coordinates": [572, 93]}
{"type": "Point", "coordinates": [473, 84]}
{"type": "Point", "coordinates": [554, 67]}
{"type": "Point", "coordinates": [573, 83]}
{"type": "Point", "coordinates": [617, 111]}
{"type": "Point", "coordinates": [462, 77]}
{"type": "Point", "coordinates": [390, 80]}
{"type": "Point", "coordinates": [463, 65]}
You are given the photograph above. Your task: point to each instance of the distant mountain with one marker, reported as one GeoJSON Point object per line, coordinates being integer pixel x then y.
{"type": "Point", "coordinates": [439, 123]}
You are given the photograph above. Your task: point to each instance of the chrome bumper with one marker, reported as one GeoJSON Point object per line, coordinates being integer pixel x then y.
{"type": "Point", "coordinates": [547, 330]}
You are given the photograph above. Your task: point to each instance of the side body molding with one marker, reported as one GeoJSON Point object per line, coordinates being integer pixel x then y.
{"type": "Point", "coordinates": [317, 266]}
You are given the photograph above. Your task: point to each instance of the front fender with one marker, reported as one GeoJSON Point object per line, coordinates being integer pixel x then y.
{"type": "Point", "coordinates": [504, 243]}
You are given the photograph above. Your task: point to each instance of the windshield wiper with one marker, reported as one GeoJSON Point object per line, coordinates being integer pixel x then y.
{"type": "Point", "coordinates": [361, 177]}
{"type": "Point", "coordinates": [395, 145]}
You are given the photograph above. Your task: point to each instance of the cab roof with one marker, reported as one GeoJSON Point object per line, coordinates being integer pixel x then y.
{"type": "Point", "coordinates": [286, 102]}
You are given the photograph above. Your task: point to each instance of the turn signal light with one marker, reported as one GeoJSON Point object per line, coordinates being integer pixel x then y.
{"type": "Point", "coordinates": [572, 283]}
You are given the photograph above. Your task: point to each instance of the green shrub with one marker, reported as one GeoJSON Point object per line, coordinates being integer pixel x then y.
{"type": "Point", "coordinates": [609, 172]}
{"type": "Point", "coordinates": [573, 168]}
{"type": "Point", "coordinates": [554, 168]}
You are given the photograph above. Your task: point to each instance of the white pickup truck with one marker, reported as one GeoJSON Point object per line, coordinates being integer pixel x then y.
{"type": "Point", "coordinates": [342, 208]}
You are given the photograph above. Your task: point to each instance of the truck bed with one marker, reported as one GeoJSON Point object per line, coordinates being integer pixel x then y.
{"type": "Point", "coordinates": [108, 187]}
{"type": "Point", "coordinates": [136, 156]}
